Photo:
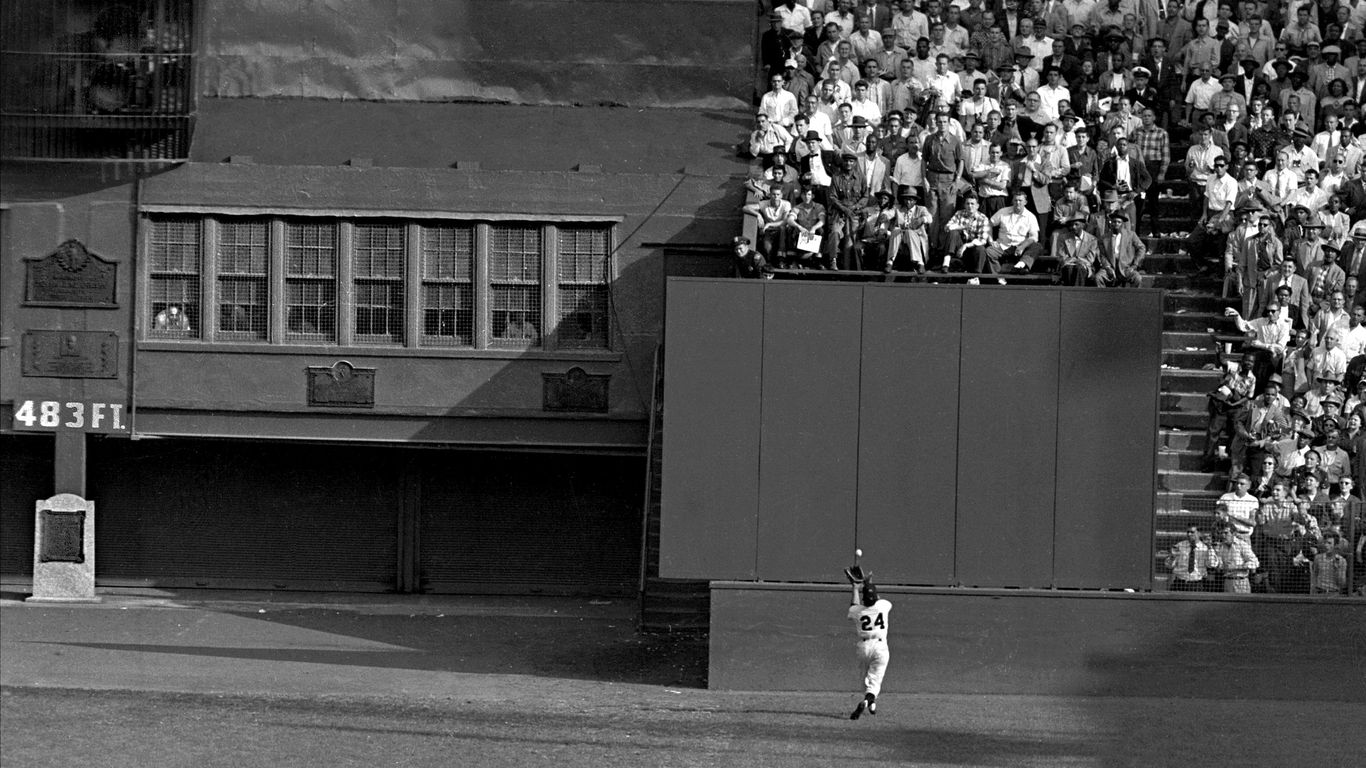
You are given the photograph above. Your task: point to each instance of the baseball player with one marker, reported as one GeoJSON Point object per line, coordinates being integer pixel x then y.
{"type": "Point", "coordinates": [869, 613]}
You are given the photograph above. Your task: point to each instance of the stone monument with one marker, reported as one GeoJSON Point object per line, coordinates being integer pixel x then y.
{"type": "Point", "coordinates": [64, 550]}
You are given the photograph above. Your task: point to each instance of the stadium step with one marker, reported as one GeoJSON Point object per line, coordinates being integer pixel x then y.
{"type": "Point", "coordinates": [1169, 460]}
{"type": "Point", "coordinates": [1183, 440]}
{"type": "Point", "coordinates": [1186, 402]}
{"type": "Point", "coordinates": [1186, 339]}
{"type": "Point", "coordinates": [1190, 358]}
{"type": "Point", "coordinates": [1192, 299]}
{"type": "Point", "coordinates": [1186, 320]}
{"type": "Point", "coordinates": [1183, 481]}
{"type": "Point", "coordinates": [1177, 379]}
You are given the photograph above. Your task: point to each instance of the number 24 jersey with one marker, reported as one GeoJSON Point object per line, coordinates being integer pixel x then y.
{"type": "Point", "coordinates": [871, 622]}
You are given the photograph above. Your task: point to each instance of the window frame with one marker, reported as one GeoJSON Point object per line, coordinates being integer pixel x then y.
{"type": "Point", "coordinates": [414, 342]}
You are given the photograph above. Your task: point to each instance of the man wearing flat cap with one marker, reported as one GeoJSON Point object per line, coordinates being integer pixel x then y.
{"type": "Point", "coordinates": [1323, 72]}
{"type": "Point", "coordinates": [847, 198]}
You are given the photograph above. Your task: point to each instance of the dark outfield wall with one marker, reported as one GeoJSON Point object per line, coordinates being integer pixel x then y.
{"type": "Point", "coordinates": [796, 637]}
{"type": "Point", "coordinates": [960, 435]}
{"type": "Point", "coordinates": [645, 53]}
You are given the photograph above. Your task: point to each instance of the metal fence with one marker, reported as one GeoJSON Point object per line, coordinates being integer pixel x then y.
{"type": "Point", "coordinates": [1263, 546]}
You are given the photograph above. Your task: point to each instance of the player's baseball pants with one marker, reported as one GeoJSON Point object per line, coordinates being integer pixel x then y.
{"type": "Point", "coordinates": [873, 656]}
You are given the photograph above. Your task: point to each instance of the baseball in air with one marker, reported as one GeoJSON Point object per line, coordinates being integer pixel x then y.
{"type": "Point", "coordinates": [858, 553]}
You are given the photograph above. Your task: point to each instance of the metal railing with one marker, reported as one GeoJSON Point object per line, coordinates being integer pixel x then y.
{"type": "Point", "coordinates": [110, 106]}
{"type": "Point", "coordinates": [1300, 547]}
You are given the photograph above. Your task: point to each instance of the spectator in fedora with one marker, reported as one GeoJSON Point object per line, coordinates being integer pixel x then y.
{"type": "Point", "coordinates": [1121, 255]}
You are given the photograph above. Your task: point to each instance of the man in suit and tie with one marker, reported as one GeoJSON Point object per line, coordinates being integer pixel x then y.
{"type": "Point", "coordinates": [1126, 174]}
{"type": "Point", "coordinates": [1121, 255]}
{"type": "Point", "coordinates": [1359, 81]}
{"type": "Point", "coordinates": [1165, 80]}
{"type": "Point", "coordinates": [873, 167]}
{"type": "Point", "coordinates": [1299, 300]}
{"type": "Point", "coordinates": [1246, 81]}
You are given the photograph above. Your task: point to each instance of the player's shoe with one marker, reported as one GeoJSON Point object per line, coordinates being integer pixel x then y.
{"type": "Point", "coordinates": [858, 711]}
{"type": "Point", "coordinates": [872, 707]}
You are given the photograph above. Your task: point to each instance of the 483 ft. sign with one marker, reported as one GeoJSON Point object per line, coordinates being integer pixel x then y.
{"type": "Point", "coordinates": [54, 415]}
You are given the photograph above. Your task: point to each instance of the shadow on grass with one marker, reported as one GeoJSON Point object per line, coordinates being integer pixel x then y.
{"type": "Point", "coordinates": [598, 649]}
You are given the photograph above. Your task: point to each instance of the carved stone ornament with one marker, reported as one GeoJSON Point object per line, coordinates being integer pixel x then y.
{"type": "Point", "coordinates": [71, 354]}
{"type": "Point", "coordinates": [575, 390]}
{"type": "Point", "coordinates": [71, 276]}
{"type": "Point", "coordinates": [341, 385]}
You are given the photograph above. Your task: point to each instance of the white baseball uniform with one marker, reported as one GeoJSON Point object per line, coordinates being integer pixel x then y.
{"type": "Point", "coordinates": [871, 625]}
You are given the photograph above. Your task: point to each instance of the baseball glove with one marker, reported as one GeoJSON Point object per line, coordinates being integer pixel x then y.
{"type": "Point", "coordinates": [855, 574]}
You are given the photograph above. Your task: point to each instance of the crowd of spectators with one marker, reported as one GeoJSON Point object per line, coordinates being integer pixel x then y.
{"type": "Point", "coordinates": [1057, 117]}
{"type": "Point", "coordinates": [1035, 137]}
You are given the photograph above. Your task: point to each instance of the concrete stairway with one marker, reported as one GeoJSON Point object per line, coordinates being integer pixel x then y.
{"type": "Point", "coordinates": [1196, 340]}
{"type": "Point", "coordinates": [666, 605]}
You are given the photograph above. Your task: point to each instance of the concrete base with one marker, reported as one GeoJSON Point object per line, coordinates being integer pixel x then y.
{"type": "Point", "coordinates": [64, 600]}
{"type": "Point", "coordinates": [795, 637]}
{"type": "Point", "coordinates": [64, 550]}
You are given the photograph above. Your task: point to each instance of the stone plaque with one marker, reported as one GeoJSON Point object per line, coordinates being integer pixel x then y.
{"type": "Point", "coordinates": [71, 276]}
{"type": "Point", "coordinates": [63, 536]}
{"type": "Point", "coordinates": [575, 390]}
{"type": "Point", "coordinates": [71, 354]}
{"type": "Point", "coordinates": [341, 385]}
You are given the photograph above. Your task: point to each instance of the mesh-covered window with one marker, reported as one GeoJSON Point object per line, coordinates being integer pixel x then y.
{"type": "Point", "coordinates": [173, 286]}
{"type": "Point", "coordinates": [377, 267]}
{"type": "Point", "coordinates": [515, 284]}
{"type": "Point", "coordinates": [310, 282]}
{"type": "Point", "coordinates": [582, 275]}
{"type": "Point", "coordinates": [243, 279]}
{"type": "Point", "coordinates": [447, 286]}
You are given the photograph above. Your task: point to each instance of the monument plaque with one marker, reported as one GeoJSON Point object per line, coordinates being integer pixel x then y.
{"type": "Point", "coordinates": [575, 390]}
{"type": "Point", "coordinates": [71, 354]}
{"type": "Point", "coordinates": [64, 550]}
{"type": "Point", "coordinates": [341, 385]}
{"type": "Point", "coordinates": [63, 536]}
{"type": "Point", "coordinates": [71, 276]}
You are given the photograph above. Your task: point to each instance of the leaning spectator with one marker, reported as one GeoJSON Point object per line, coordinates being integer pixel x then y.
{"type": "Point", "coordinates": [748, 262]}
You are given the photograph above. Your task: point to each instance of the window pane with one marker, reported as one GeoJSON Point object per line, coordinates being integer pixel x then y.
{"type": "Point", "coordinates": [175, 245]}
{"type": "Point", "coordinates": [447, 315]}
{"type": "Point", "coordinates": [379, 250]}
{"type": "Point", "coordinates": [515, 253]}
{"type": "Point", "coordinates": [243, 311]}
{"type": "Point", "coordinates": [582, 256]}
{"type": "Point", "coordinates": [516, 314]}
{"type": "Point", "coordinates": [379, 313]}
{"type": "Point", "coordinates": [583, 316]}
{"type": "Point", "coordinates": [174, 306]}
{"type": "Point", "coordinates": [311, 310]}
{"type": "Point", "coordinates": [447, 253]}
{"type": "Point", "coordinates": [243, 247]}
{"type": "Point", "coordinates": [310, 249]}
{"type": "Point", "coordinates": [581, 266]}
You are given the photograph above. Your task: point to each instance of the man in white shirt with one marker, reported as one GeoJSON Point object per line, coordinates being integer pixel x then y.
{"type": "Point", "coordinates": [864, 106]}
{"type": "Point", "coordinates": [944, 82]}
{"type": "Point", "coordinates": [779, 103]}
{"type": "Point", "coordinates": [1053, 92]}
{"type": "Point", "coordinates": [1199, 94]}
{"type": "Point", "coordinates": [1017, 240]}
{"type": "Point", "coordinates": [909, 24]}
